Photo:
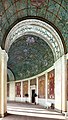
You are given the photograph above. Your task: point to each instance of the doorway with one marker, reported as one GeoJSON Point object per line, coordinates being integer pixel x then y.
{"type": "Point", "coordinates": [33, 96]}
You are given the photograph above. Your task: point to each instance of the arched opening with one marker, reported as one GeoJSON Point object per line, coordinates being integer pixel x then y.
{"type": "Point", "coordinates": [32, 29]}
{"type": "Point", "coordinates": [38, 28]}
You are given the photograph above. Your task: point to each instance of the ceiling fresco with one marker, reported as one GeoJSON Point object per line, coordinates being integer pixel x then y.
{"type": "Point", "coordinates": [55, 11]}
{"type": "Point", "coordinates": [29, 55]}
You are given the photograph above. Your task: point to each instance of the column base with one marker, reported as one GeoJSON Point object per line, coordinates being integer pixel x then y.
{"type": "Point", "coordinates": [61, 111]}
{"type": "Point", "coordinates": [3, 115]}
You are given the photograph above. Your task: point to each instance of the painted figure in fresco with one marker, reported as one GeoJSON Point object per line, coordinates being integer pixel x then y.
{"type": "Point", "coordinates": [18, 89]}
{"type": "Point", "coordinates": [51, 78]}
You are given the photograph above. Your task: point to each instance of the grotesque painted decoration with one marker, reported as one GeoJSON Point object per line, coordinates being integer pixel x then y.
{"type": "Point", "coordinates": [29, 56]}
{"type": "Point", "coordinates": [41, 86]}
{"type": "Point", "coordinates": [54, 11]}
{"type": "Point", "coordinates": [25, 88]}
{"type": "Point", "coordinates": [51, 85]}
{"type": "Point", "coordinates": [37, 3]}
{"type": "Point", "coordinates": [18, 89]}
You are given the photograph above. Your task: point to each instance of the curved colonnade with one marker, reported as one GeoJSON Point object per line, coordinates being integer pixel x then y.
{"type": "Point", "coordinates": [48, 34]}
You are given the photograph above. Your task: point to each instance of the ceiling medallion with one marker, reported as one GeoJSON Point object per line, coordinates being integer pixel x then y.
{"type": "Point", "coordinates": [37, 3]}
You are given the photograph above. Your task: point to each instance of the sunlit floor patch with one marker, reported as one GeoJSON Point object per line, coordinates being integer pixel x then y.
{"type": "Point", "coordinates": [36, 112]}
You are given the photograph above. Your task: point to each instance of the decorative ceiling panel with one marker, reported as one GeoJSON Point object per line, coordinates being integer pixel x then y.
{"type": "Point", "coordinates": [29, 56]}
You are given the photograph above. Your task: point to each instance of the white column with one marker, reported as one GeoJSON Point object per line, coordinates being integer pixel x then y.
{"type": "Point", "coordinates": [29, 90]}
{"type": "Point", "coordinates": [60, 84]}
{"type": "Point", "coordinates": [64, 83]}
{"type": "Point", "coordinates": [12, 91]}
{"type": "Point", "coordinates": [3, 82]}
{"type": "Point", "coordinates": [37, 90]}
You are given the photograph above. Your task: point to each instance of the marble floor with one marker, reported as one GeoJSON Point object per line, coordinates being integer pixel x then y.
{"type": "Point", "coordinates": [26, 111]}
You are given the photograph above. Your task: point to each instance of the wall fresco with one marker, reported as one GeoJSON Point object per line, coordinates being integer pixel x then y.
{"type": "Point", "coordinates": [25, 88]}
{"type": "Point", "coordinates": [41, 86]}
{"type": "Point", "coordinates": [33, 81]}
{"type": "Point", "coordinates": [18, 89]}
{"type": "Point", "coordinates": [51, 85]}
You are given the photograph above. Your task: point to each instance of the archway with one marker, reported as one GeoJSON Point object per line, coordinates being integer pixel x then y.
{"type": "Point", "coordinates": [38, 28]}
{"type": "Point", "coordinates": [48, 34]}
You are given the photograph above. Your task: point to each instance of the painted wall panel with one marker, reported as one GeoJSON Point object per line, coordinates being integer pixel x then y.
{"type": "Point", "coordinates": [51, 86]}
{"type": "Point", "coordinates": [25, 88]}
{"type": "Point", "coordinates": [18, 89]}
{"type": "Point", "coordinates": [41, 86]}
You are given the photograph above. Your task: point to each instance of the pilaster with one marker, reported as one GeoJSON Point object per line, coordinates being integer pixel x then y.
{"type": "Point", "coordinates": [60, 84]}
{"type": "Point", "coordinates": [64, 83]}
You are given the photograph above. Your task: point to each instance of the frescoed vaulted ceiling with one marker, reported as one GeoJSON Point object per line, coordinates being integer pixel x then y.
{"type": "Point", "coordinates": [29, 56]}
{"type": "Point", "coordinates": [54, 12]}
